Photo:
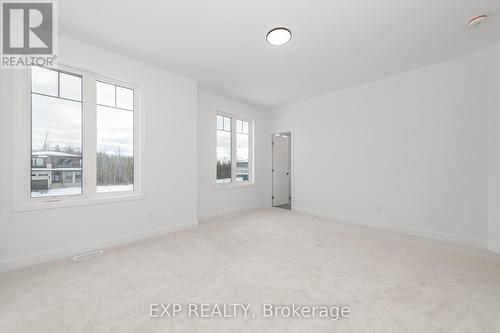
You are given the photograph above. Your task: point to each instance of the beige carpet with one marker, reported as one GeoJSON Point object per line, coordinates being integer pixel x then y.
{"type": "Point", "coordinates": [392, 282]}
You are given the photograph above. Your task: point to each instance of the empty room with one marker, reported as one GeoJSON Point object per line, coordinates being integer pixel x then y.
{"type": "Point", "coordinates": [250, 166]}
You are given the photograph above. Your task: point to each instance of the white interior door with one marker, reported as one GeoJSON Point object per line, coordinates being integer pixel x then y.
{"type": "Point", "coordinates": [281, 170]}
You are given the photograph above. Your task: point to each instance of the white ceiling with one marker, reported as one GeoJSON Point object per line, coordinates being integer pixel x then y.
{"type": "Point", "coordinates": [336, 43]}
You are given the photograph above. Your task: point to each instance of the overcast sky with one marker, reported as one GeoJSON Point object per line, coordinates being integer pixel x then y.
{"type": "Point", "coordinates": [59, 119]}
{"type": "Point", "coordinates": [115, 131]}
{"type": "Point", "coordinates": [62, 120]}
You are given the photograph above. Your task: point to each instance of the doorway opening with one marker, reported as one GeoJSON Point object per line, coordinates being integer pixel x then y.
{"type": "Point", "coordinates": [282, 170]}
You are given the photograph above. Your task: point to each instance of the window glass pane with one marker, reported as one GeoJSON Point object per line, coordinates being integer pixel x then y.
{"type": "Point", "coordinates": [115, 150]}
{"type": "Point", "coordinates": [223, 156]}
{"type": "Point", "coordinates": [56, 149]}
{"type": "Point", "coordinates": [124, 98]}
{"type": "Point", "coordinates": [239, 126]}
{"type": "Point", "coordinates": [227, 124]}
{"type": "Point", "coordinates": [240, 170]}
{"type": "Point", "coordinates": [115, 146]}
{"type": "Point", "coordinates": [44, 81]}
{"type": "Point", "coordinates": [105, 94]}
{"type": "Point", "coordinates": [220, 122]}
{"type": "Point", "coordinates": [242, 151]}
{"type": "Point", "coordinates": [70, 86]}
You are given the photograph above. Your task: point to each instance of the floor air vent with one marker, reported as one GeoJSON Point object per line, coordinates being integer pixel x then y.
{"type": "Point", "coordinates": [88, 255]}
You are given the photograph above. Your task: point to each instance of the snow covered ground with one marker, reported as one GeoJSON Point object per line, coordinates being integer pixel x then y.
{"type": "Point", "coordinates": [114, 188]}
{"type": "Point", "coordinates": [56, 192]}
{"type": "Point", "coordinates": [77, 190]}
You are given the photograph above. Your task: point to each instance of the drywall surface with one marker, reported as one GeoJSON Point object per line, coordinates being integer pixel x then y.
{"type": "Point", "coordinates": [494, 150]}
{"type": "Point", "coordinates": [407, 152]}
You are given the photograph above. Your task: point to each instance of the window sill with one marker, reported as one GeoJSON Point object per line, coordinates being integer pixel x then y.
{"type": "Point", "coordinates": [228, 186]}
{"type": "Point", "coordinates": [74, 201]}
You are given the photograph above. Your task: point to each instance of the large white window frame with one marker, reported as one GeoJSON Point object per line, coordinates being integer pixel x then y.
{"type": "Point", "coordinates": [251, 175]}
{"type": "Point", "coordinates": [21, 150]}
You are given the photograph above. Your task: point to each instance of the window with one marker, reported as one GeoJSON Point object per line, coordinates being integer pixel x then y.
{"type": "Point", "coordinates": [84, 135]}
{"type": "Point", "coordinates": [223, 149]}
{"type": "Point", "coordinates": [56, 131]}
{"type": "Point", "coordinates": [234, 161]}
{"type": "Point", "coordinates": [115, 138]}
{"type": "Point", "coordinates": [242, 151]}
{"type": "Point", "coordinates": [36, 162]}
{"type": "Point", "coordinates": [68, 177]}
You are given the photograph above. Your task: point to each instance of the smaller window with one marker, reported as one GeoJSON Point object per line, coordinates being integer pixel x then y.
{"type": "Point", "coordinates": [223, 149]}
{"type": "Point", "coordinates": [233, 160]}
{"type": "Point", "coordinates": [242, 151]}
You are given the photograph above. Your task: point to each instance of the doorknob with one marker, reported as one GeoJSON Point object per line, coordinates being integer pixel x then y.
{"type": "Point", "coordinates": [288, 173]}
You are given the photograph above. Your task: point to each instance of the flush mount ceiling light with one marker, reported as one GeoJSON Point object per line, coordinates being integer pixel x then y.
{"type": "Point", "coordinates": [278, 36]}
{"type": "Point", "coordinates": [477, 21]}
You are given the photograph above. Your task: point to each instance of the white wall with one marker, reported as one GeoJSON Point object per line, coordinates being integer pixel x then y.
{"type": "Point", "coordinates": [215, 201]}
{"type": "Point", "coordinates": [171, 169]}
{"type": "Point", "coordinates": [408, 152]}
{"type": "Point", "coordinates": [494, 150]}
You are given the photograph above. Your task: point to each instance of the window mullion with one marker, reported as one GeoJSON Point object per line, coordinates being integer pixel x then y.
{"type": "Point", "coordinates": [250, 152]}
{"type": "Point", "coordinates": [233, 149]}
{"type": "Point", "coordinates": [89, 135]}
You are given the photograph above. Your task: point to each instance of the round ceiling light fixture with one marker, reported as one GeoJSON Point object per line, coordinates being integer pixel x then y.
{"type": "Point", "coordinates": [476, 21]}
{"type": "Point", "coordinates": [278, 36]}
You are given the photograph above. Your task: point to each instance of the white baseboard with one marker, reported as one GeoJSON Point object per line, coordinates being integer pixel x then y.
{"type": "Point", "coordinates": [402, 229]}
{"type": "Point", "coordinates": [38, 258]}
{"type": "Point", "coordinates": [231, 211]}
{"type": "Point", "coordinates": [494, 247]}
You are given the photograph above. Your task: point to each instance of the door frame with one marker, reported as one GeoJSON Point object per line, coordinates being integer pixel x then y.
{"type": "Point", "coordinates": [270, 166]}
